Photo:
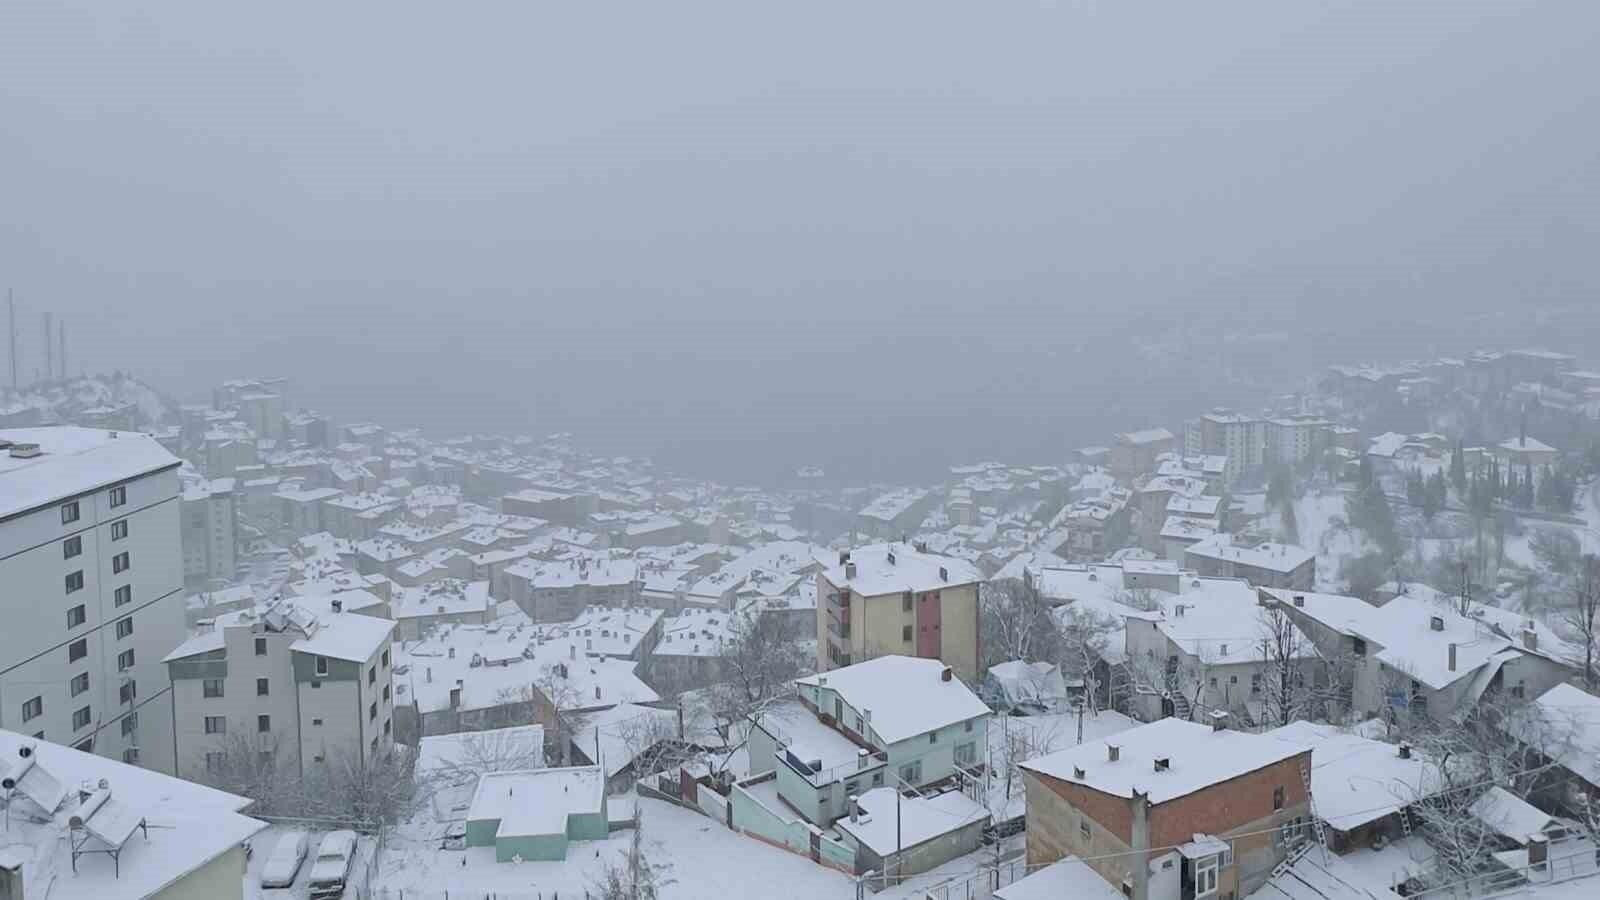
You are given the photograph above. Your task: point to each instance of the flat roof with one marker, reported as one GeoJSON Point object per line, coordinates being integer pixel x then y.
{"type": "Point", "coordinates": [73, 461]}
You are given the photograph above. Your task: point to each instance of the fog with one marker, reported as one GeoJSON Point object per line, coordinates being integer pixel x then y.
{"type": "Point", "coordinates": [741, 237]}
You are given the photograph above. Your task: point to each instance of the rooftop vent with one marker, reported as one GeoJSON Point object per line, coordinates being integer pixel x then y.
{"type": "Point", "coordinates": [1299, 599]}
{"type": "Point", "coordinates": [1113, 752]}
{"type": "Point", "coordinates": [1436, 623]}
{"type": "Point", "coordinates": [890, 557]}
{"type": "Point", "coordinates": [944, 574]}
{"type": "Point", "coordinates": [849, 570]}
{"type": "Point", "coordinates": [1405, 751]}
{"type": "Point", "coordinates": [1163, 763]}
{"type": "Point", "coordinates": [1078, 773]}
{"type": "Point", "coordinates": [946, 674]}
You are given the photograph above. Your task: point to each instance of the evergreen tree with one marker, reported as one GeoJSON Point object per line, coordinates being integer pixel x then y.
{"type": "Point", "coordinates": [1414, 488]}
{"type": "Point", "coordinates": [1458, 470]}
{"type": "Point", "coordinates": [1546, 493]}
{"type": "Point", "coordinates": [1433, 496]}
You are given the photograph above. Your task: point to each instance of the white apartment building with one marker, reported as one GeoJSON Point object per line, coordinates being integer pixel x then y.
{"type": "Point", "coordinates": [210, 532]}
{"type": "Point", "coordinates": [303, 686]}
{"type": "Point", "coordinates": [91, 582]}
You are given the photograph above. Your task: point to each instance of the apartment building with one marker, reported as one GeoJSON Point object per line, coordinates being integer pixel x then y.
{"type": "Point", "coordinates": [888, 722]}
{"type": "Point", "coordinates": [557, 590]}
{"type": "Point", "coordinates": [210, 532]}
{"type": "Point", "coordinates": [1264, 564]}
{"type": "Point", "coordinates": [302, 686]}
{"type": "Point", "coordinates": [1242, 439]}
{"type": "Point", "coordinates": [1172, 809]}
{"type": "Point", "coordinates": [91, 579]}
{"type": "Point", "coordinates": [898, 599]}
{"type": "Point", "coordinates": [1134, 453]}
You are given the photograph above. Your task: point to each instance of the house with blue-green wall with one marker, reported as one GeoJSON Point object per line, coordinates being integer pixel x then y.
{"type": "Point", "coordinates": [534, 814]}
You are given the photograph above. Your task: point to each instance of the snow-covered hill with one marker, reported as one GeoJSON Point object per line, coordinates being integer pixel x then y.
{"type": "Point", "coordinates": [66, 400]}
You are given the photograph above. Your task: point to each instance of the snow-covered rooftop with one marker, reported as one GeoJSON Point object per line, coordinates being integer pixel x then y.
{"type": "Point", "coordinates": [1280, 558]}
{"type": "Point", "coordinates": [1069, 877]}
{"type": "Point", "coordinates": [1357, 780]}
{"type": "Point", "coordinates": [889, 824]}
{"type": "Point", "coordinates": [537, 801]}
{"type": "Point", "coordinates": [909, 570]}
{"type": "Point", "coordinates": [1198, 758]}
{"type": "Point", "coordinates": [907, 695]}
{"type": "Point", "coordinates": [73, 460]}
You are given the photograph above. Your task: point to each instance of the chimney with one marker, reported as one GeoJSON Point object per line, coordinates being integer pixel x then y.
{"type": "Point", "coordinates": [861, 759]}
{"type": "Point", "coordinates": [890, 557]}
{"type": "Point", "coordinates": [849, 571]}
{"type": "Point", "coordinates": [944, 574]}
{"type": "Point", "coordinates": [866, 715]}
{"type": "Point", "coordinates": [1113, 752]}
{"type": "Point", "coordinates": [945, 674]}
{"type": "Point", "coordinates": [1452, 657]}
{"type": "Point", "coordinates": [1538, 851]}
{"type": "Point", "coordinates": [1162, 763]}
{"type": "Point", "coordinates": [597, 692]}
{"type": "Point", "coordinates": [452, 653]}
{"type": "Point", "coordinates": [1530, 637]}
{"type": "Point", "coordinates": [855, 808]}
{"type": "Point", "coordinates": [338, 605]}
{"type": "Point", "coordinates": [572, 651]}
{"type": "Point", "coordinates": [1177, 610]}
{"type": "Point", "coordinates": [1219, 720]}
{"type": "Point", "coordinates": [844, 557]}
{"type": "Point", "coordinates": [1299, 599]}
{"type": "Point", "coordinates": [1079, 773]}
{"type": "Point", "coordinates": [455, 695]}
{"type": "Point", "coordinates": [1436, 623]}
{"type": "Point", "coordinates": [1405, 751]}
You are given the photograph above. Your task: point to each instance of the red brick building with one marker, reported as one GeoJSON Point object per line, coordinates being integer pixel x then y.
{"type": "Point", "coordinates": [1172, 810]}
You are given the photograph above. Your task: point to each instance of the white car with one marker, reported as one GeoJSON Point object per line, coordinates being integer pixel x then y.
{"type": "Point", "coordinates": [332, 866]}
{"type": "Point", "coordinates": [284, 863]}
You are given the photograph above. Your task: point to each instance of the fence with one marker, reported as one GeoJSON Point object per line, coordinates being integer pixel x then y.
{"type": "Point", "coordinates": [982, 884]}
{"type": "Point", "coordinates": [465, 894]}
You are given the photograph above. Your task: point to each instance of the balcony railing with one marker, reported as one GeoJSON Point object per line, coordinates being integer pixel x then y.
{"type": "Point", "coordinates": [819, 777]}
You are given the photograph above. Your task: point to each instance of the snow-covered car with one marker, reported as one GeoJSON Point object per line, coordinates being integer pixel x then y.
{"type": "Point", "coordinates": [331, 868]}
{"type": "Point", "coordinates": [287, 855]}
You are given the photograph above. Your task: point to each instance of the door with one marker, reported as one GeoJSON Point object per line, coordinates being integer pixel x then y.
{"type": "Point", "coordinates": [928, 622]}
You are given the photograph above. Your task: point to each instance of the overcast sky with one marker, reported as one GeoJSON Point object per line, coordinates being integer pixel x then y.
{"type": "Point", "coordinates": [755, 235]}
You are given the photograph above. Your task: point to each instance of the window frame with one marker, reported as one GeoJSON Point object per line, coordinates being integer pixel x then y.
{"type": "Point", "coordinates": [213, 688]}
{"type": "Point", "coordinates": [70, 512]}
{"type": "Point", "coordinates": [220, 723]}
{"type": "Point", "coordinates": [77, 650]}
{"type": "Point", "coordinates": [1206, 870]}
{"type": "Point", "coordinates": [72, 546]}
{"type": "Point", "coordinates": [124, 627]}
{"type": "Point", "coordinates": [118, 496]}
{"type": "Point", "coordinates": [263, 687]}
{"type": "Point", "coordinates": [32, 709]}
{"type": "Point", "coordinates": [73, 582]}
{"type": "Point", "coordinates": [77, 616]}
{"type": "Point", "coordinates": [119, 529]}
{"type": "Point", "coordinates": [78, 684]}
{"type": "Point", "coordinates": [122, 562]}
{"type": "Point", "coordinates": [122, 596]}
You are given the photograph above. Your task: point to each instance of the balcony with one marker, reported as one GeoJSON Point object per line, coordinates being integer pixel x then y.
{"type": "Point", "coordinates": [840, 632]}
{"type": "Point", "coordinates": [818, 777]}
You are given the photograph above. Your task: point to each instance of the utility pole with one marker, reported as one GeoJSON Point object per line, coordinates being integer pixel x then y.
{"type": "Point", "coordinates": [63, 330]}
{"type": "Point", "coordinates": [49, 357]}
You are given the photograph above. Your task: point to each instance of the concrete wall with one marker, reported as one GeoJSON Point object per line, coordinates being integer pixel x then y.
{"type": "Point", "coordinates": [220, 879]}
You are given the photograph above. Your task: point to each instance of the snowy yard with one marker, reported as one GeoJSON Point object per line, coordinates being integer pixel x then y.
{"type": "Point", "coordinates": [705, 860]}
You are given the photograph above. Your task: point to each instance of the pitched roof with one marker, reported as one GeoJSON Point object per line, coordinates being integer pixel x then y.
{"type": "Point", "coordinates": [907, 696]}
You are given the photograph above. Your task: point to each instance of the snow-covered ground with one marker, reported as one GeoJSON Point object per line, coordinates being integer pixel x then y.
{"type": "Point", "coordinates": [1315, 515]}
{"type": "Point", "coordinates": [704, 858]}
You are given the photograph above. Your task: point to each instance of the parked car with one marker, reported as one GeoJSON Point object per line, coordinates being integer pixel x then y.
{"type": "Point", "coordinates": [287, 855]}
{"type": "Point", "coordinates": [335, 856]}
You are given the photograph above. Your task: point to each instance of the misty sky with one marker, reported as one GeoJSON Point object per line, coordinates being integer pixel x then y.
{"type": "Point", "coordinates": [880, 236]}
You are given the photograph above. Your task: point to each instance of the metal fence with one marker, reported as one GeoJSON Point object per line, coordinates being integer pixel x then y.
{"type": "Point", "coordinates": [981, 884]}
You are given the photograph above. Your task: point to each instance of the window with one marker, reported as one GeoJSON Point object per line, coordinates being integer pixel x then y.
{"type": "Point", "coordinates": [1205, 877]}
{"type": "Point", "coordinates": [1519, 690]}
{"type": "Point", "coordinates": [77, 650]}
{"type": "Point", "coordinates": [263, 687]}
{"type": "Point", "coordinates": [386, 659]}
{"type": "Point", "coordinates": [967, 726]}
{"type": "Point", "coordinates": [214, 762]}
{"type": "Point", "coordinates": [124, 627]}
{"type": "Point", "coordinates": [316, 684]}
{"type": "Point", "coordinates": [72, 546]}
{"type": "Point", "coordinates": [216, 725]}
{"type": "Point", "coordinates": [933, 737]}
{"type": "Point", "coordinates": [32, 709]}
{"type": "Point", "coordinates": [131, 756]}
{"type": "Point", "coordinates": [122, 596]}
{"type": "Point", "coordinates": [911, 774]}
{"type": "Point", "coordinates": [81, 717]}
{"type": "Point", "coordinates": [966, 754]}
{"type": "Point", "coordinates": [905, 602]}
{"type": "Point", "coordinates": [74, 581]}
{"type": "Point", "coordinates": [386, 693]}
{"type": "Point", "coordinates": [261, 646]}
{"type": "Point", "coordinates": [1277, 798]}
{"type": "Point", "coordinates": [130, 723]}
{"type": "Point", "coordinates": [69, 512]}
{"type": "Point", "coordinates": [372, 674]}
{"type": "Point", "coordinates": [905, 633]}
{"type": "Point", "coordinates": [77, 616]}
{"type": "Point", "coordinates": [211, 687]}
{"type": "Point", "coordinates": [128, 691]}
{"type": "Point", "coordinates": [1083, 828]}
{"type": "Point", "coordinates": [322, 665]}
{"type": "Point", "coordinates": [1255, 683]}
{"type": "Point", "coordinates": [263, 724]}
{"type": "Point", "coordinates": [80, 683]}
{"type": "Point", "coordinates": [119, 496]}
{"type": "Point", "coordinates": [877, 779]}
{"type": "Point", "coordinates": [120, 563]}
{"type": "Point", "coordinates": [124, 660]}
{"type": "Point", "coordinates": [372, 711]}
{"type": "Point", "coordinates": [387, 727]}
{"type": "Point", "coordinates": [1358, 646]}
{"type": "Point", "coordinates": [119, 529]}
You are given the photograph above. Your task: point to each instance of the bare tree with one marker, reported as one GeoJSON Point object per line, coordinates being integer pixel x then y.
{"type": "Point", "coordinates": [1084, 638]}
{"type": "Point", "coordinates": [1583, 616]}
{"type": "Point", "coordinates": [499, 750]}
{"type": "Point", "coordinates": [651, 740]}
{"type": "Point", "coordinates": [634, 876]}
{"type": "Point", "coordinates": [1015, 623]}
{"type": "Point", "coordinates": [246, 763]}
